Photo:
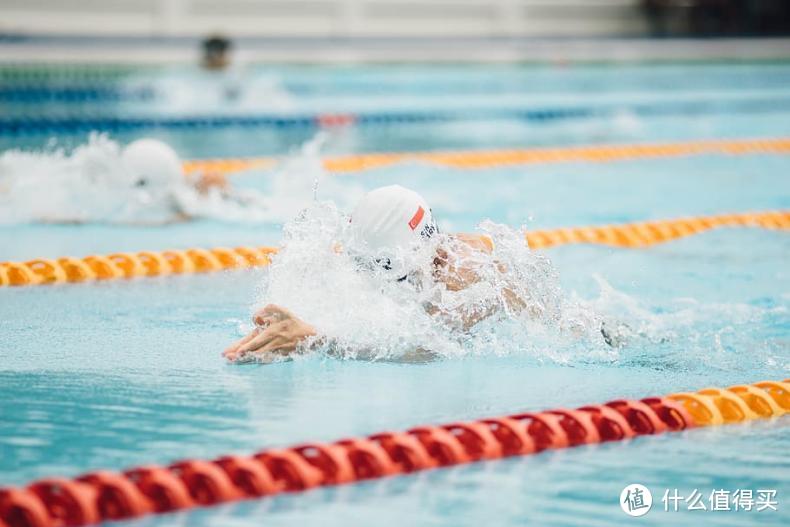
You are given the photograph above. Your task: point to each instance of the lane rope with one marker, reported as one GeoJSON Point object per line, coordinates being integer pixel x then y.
{"type": "Point", "coordinates": [150, 489]}
{"type": "Point", "coordinates": [494, 158]}
{"type": "Point", "coordinates": [76, 73]}
{"type": "Point", "coordinates": [87, 122]}
{"type": "Point", "coordinates": [42, 271]}
{"type": "Point", "coordinates": [32, 94]}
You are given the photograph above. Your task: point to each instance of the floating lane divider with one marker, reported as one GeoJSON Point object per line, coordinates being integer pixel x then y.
{"type": "Point", "coordinates": [52, 72]}
{"type": "Point", "coordinates": [494, 158]}
{"type": "Point", "coordinates": [228, 166]}
{"type": "Point", "coordinates": [157, 263]}
{"type": "Point", "coordinates": [108, 496]}
{"type": "Point", "coordinates": [88, 122]}
{"type": "Point", "coordinates": [72, 94]}
{"type": "Point", "coordinates": [646, 234]}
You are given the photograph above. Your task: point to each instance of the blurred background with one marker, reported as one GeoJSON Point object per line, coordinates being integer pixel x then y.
{"type": "Point", "coordinates": [354, 18]}
{"type": "Point", "coordinates": [278, 78]}
{"type": "Point", "coordinates": [311, 30]}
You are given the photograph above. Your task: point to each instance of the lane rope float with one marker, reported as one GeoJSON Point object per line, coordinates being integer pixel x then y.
{"type": "Point", "coordinates": [110, 496]}
{"type": "Point", "coordinates": [477, 159]}
{"type": "Point", "coordinates": [32, 94]}
{"type": "Point", "coordinates": [119, 265]}
{"type": "Point", "coordinates": [88, 122]}
{"type": "Point", "coordinates": [646, 234]}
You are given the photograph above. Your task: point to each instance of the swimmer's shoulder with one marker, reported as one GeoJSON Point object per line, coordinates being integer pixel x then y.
{"type": "Point", "coordinates": [479, 242]}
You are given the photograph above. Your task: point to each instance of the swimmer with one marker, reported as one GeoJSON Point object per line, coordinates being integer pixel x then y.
{"type": "Point", "coordinates": [216, 52]}
{"type": "Point", "coordinates": [156, 170]}
{"type": "Point", "coordinates": [389, 221]}
{"type": "Point", "coordinates": [142, 183]}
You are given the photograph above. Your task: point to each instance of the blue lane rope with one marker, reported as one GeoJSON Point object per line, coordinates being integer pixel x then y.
{"type": "Point", "coordinates": [68, 94]}
{"type": "Point", "coordinates": [27, 124]}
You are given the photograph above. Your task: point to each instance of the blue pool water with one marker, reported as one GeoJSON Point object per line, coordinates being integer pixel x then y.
{"type": "Point", "coordinates": [613, 104]}
{"type": "Point", "coordinates": [122, 373]}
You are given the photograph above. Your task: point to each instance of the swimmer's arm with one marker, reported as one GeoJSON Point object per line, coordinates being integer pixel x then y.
{"type": "Point", "coordinates": [468, 316]}
{"type": "Point", "coordinates": [279, 334]}
{"type": "Point", "coordinates": [513, 301]}
{"type": "Point", "coordinates": [463, 318]}
{"type": "Point", "coordinates": [468, 273]}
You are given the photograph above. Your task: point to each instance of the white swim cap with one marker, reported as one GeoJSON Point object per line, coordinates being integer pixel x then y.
{"type": "Point", "coordinates": [152, 163]}
{"type": "Point", "coordinates": [392, 218]}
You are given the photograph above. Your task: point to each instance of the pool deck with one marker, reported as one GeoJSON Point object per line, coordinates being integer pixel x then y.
{"type": "Point", "coordinates": [133, 50]}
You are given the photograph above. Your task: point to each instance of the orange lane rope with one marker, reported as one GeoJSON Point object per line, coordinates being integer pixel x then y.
{"type": "Point", "coordinates": [645, 234]}
{"type": "Point", "coordinates": [158, 263]}
{"type": "Point", "coordinates": [227, 166]}
{"type": "Point", "coordinates": [102, 495]}
{"type": "Point", "coordinates": [493, 158]}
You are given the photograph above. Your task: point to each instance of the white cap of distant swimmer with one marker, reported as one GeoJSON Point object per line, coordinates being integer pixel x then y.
{"type": "Point", "coordinates": [393, 218]}
{"type": "Point", "coordinates": [152, 163]}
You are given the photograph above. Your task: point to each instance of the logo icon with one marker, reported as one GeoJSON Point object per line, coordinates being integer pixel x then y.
{"type": "Point", "coordinates": [636, 500]}
{"type": "Point", "coordinates": [417, 218]}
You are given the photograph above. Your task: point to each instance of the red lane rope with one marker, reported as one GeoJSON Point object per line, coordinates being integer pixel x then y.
{"type": "Point", "coordinates": [104, 496]}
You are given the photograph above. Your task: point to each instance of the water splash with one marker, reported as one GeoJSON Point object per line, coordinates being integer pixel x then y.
{"type": "Point", "coordinates": [235, 91]}
{"type": "Point", "coordinates": [366, 312]}
{"type": "Point", "coordinates": [684, 334]}
{"type": "Point", "coordinates": [55, 186]}
{"type": "Point", "coordinates": [300, 180]}
{"type": "Point", "coordinates": [91, 184]}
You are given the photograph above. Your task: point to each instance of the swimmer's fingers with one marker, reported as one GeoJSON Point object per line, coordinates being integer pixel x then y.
{"type": "Point", "coordinates": [282, 334]}
{"type": "Point", "coordinates": [232, 351]}
{"type": "Point", "coordinates": [270, 314]}
{"type": "Point", "coordinates": [279, 344]}
{"type": "Point", "coordinates": [275, 311]}
{"type": "Point", "coordinates": [275, 338]}
{"type": "Point", "coordinates": [255, 344]}
{"type": "Point", "coordinates": [259, 318]}
{"type": "Point", "coordinates": [264, 321]}
{"type": "Point", "coordinates": [244, 340]}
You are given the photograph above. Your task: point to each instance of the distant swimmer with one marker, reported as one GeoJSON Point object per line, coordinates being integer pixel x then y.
{"type": "Point", "coordinates": [142, 183]}
{"type": "Point", "coordinates": [154, 168]}
{"type": "Point", "coordinates": [216, 52]}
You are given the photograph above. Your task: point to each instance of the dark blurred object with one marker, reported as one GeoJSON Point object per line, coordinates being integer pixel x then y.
{"type": "Point", "coordinates": [216, 52]}
{"type": "Point", "coordinates": [717, 17]}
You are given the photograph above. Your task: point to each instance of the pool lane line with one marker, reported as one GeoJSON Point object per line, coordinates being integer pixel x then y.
{"type": "Point", "coordinates": [137, 492]}
{"type": "Point", "coordinates": [481, 159]}
{"type": "Point", "coordinates": [26, 125]}
{"type": "Point", "coordinates": [37, 94]}
{"type": "Point", "coordinates": [649, 233]}
{"type": "Point", "coordinates": [120, 265]}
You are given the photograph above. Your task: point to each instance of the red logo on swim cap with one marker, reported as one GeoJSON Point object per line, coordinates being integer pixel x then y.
{"type": "Point", "coordinates": [417, 218]}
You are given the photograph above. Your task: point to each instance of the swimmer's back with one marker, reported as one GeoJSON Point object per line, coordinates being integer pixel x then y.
{"type": "Point", "coordinates": [479, 242]}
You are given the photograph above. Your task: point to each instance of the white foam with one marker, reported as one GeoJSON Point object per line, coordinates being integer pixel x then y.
{"type": "Point", "coordinates": [366, 313]}
{"type": "Point", "coordinates": [91, 184]}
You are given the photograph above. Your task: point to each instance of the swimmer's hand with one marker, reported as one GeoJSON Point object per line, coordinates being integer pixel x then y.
{"type": "Point", "coordinates": [209, 180]}
{"type": "Point", "coordinates": [277, 332]}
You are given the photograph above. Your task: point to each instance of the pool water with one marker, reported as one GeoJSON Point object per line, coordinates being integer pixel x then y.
{"type": "Point", "coordinates": [486, 106]}
{"type": "Point", "coordinates": [123, 373]}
